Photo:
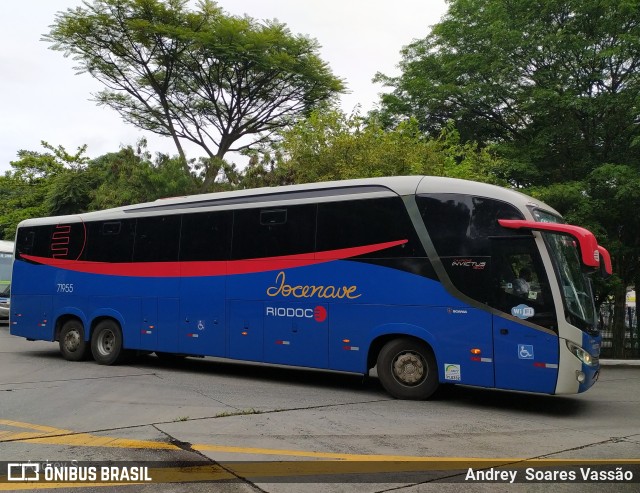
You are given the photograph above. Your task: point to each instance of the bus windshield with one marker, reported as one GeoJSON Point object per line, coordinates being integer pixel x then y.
{"type": "Point", "coordinates": [574, 283]}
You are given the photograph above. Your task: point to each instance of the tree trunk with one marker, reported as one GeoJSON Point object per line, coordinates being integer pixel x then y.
{"type": "Point", "coordinates": [620, 297]}
{"type": "Point", "coordinates": [213, 166]}
{"type": "Point", "coordinates": [636, 341]}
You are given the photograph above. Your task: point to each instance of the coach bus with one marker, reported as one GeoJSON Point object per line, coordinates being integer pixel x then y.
{"type": "Point", "coordinates": [430, 280]}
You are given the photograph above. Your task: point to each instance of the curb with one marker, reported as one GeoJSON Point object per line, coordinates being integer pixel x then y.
{"type": "Point", "coordinates": [619, 362]}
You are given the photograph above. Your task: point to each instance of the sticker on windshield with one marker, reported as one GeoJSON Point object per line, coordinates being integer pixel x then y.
{"type": "Point", "coordinates": [523, 311]}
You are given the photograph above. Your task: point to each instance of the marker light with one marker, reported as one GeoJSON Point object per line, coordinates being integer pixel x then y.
{"type": "Point", "coordinates": [582, 355]}
{"type": "Point", "coordinates": [476, 351]}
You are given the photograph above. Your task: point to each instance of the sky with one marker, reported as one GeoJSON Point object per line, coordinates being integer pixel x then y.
{"type": "Point", "coordinates": [43, 99]}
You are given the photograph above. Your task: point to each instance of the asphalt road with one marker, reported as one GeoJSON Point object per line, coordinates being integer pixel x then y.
{"type": "Point", "coordinates": [214, 425]}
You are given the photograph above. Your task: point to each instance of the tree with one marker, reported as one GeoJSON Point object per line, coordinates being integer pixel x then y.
{"type": "Point", "coordinates": [330, 145]}
{"type": "Point", "coordinates": [222, 82]}
{"type": "Point", "coordinates": [132, 176]}
{"type": "Point", "coordinates": [605, 202]}
{"type": "Point", "coordinates": [56, 183]}
{"type": "Point", "coordinates": [553, 86]}
{"type": "Point", "coordinates": [26, 187]}
{"type": "Point", "coordinates": [555, 82]}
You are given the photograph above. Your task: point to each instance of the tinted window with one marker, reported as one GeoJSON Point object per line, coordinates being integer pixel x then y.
{"type": "Point", "coordinates": [63, 241]}
{"type": "Point", "coordinates": [461, 228]}
{"type": "Point", "coordinates": [157, 239]}
{"type": "Point", "coordinates": [358, 223]}
{"type": "Point", "coordinates": [33, 241]}
{"type": "Point", "coordinates": [519, 279]}
{"type": "Point", "coordinates": [462, 224]}
{"type": "Point", "coordinates": [206, 236]}
{"type": "Point", "coordinates": [110, 241]}
{"type": "Point", "coordinates": [273, 232]}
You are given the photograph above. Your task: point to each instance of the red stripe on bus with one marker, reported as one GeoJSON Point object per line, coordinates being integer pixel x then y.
{"type": "Point", "coordinates": [209, 268]}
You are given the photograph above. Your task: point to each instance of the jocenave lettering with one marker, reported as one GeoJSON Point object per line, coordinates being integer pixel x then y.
{"type": "Point", "coordinates": [309, 291]}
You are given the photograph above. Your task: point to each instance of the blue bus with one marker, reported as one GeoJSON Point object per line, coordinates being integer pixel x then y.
{"type": "Point", "coordinates": [429, 280]}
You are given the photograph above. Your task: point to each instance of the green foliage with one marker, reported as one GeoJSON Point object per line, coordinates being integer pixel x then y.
{"type": "Point", "coordinates": [554, 87]}
{"type": "Point", "coordinates": [130, 176]}
{"type": "Point", "coordinates": [606, 202]}
{"type": "Point", "coordinates": [554, 82]}
{"type": "Point", "coordinates": [57, 183]}
{"type": "Point", "coordinates": [25, 188]}
{"type": "Point", "coordinates": [222, 82]}
{"type": "Point", "coordinates": [330, 145]}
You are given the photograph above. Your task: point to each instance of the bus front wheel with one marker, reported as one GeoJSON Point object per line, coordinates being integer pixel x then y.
{"type": "Point", "coordinates": [106, 343]}
{"type": "Point", "coordinates": [73, 347]}
{"type": "Point", "coordinates": [407, 369]}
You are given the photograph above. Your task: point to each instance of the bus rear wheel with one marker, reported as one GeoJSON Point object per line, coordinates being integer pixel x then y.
{"type": "Point", "coordinates": [407, 369]}
{"type": "Point", "coordinates": [106, 343]}
{"type": "Point", "coordinates": [73, 347]}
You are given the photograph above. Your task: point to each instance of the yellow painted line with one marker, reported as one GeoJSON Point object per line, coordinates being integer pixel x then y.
{"type": "Point", "coordinates": [59, 436]}
{"type": "Point", "coordinates": [476, 461]}
{"type": "Point", "coordinates": [29, 426]}
{"type": "Point", "coordinates": [316, 455]}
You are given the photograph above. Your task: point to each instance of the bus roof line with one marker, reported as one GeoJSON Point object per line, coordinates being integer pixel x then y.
{"type": "Point", "coordinates": [264, 197]}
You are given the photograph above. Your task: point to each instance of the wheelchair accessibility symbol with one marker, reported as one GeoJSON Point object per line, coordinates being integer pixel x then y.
{"type": "Point", "coordinates": [525, 351]}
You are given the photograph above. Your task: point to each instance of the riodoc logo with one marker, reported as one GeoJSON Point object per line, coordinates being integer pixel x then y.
{"type": "Point", "coordinates": [319, 313]}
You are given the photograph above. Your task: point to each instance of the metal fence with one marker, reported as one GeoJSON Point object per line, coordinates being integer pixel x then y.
{"type": "Point", "coordinates": [632, 331]}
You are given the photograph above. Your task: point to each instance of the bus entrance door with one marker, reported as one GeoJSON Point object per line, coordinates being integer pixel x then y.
{"type": "Point", "coordinates": [525, 358]}
{"type": "Point", "coordinates": [525, 340]}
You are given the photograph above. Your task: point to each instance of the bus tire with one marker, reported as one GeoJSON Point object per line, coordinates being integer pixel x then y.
{"type": "Point", "coordinates": [407, 369]}
{"type": "Point", "coordinates": [73, 347]}
{"type": "Point", "coordinates": [106, 343]}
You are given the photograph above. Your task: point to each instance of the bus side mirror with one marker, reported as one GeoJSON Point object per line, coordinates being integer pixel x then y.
{"type": "Point", "coordinates": [606, 268]}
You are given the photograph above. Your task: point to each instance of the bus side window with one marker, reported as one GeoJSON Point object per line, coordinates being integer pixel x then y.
{"type": "Point", "coordinates": [157, 239]}
{"type": "Point", "coordinates": [110, 241]}
{"type": "Point", "coordinates": [26, 241]}
{"type": "Point", "coordinates": [461, 227]}
{"type": "Point", "coordinates": [519, 279]}
{"type": "Point", "coordinates": [63, 241]}
{"type": "Point", "coordinates": [260, 233]}
{"type": "Point", "coordinates": [206, 236]}
{"type": "Point", "coordinates": [355, 223]}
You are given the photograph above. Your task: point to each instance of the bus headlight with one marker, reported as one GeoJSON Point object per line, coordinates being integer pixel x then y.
{"type": "Point", "coordinates": [582, 355]}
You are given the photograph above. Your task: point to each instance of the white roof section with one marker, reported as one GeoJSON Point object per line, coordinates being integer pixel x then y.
{"type": "Point", "coordinates": [438, 184]}
{"type": "Point", "coordinates": [6, 246]}
{"type": "Point", "coordinates": [305, 193]}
